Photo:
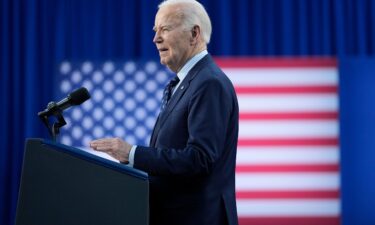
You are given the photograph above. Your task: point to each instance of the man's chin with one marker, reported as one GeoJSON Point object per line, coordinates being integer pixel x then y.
{"type": "Point", "coordinates": [164, 61]}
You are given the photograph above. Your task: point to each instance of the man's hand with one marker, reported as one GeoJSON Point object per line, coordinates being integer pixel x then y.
{"type": "Point", "coordinates": [115, 147]}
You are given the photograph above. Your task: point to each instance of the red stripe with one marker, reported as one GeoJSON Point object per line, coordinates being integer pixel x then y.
{"type": "Point", "coordinates": [289, 142]}
{"type": "Point", "coordinates": [287, 168]}
{"type": "Point", "coordinates": [289, 220]}
{"type": "Point", "coordinates": [288, 116]}
{"type": "Point", "coordinates": [244, 62]}
{"type": "Point", "coordinates": [287, 89]}
{"type": "Point", "coordinates": [335, 194]}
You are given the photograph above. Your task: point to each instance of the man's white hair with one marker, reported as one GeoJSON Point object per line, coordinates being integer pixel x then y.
{"type": "Point", "coordinates": [193, 14]}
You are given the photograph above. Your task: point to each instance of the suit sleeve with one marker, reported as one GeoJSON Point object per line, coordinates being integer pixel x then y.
{"type": "Point", "coordinates": [208, 116]}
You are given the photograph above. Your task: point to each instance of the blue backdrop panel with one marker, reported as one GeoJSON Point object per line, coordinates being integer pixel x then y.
{"type": "Point", "coordinates": [357, 121]}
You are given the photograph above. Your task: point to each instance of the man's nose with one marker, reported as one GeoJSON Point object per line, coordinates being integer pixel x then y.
{"type": "Point", "coordinates": [157, 37]}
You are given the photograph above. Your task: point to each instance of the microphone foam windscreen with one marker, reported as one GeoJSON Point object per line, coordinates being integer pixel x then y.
{"type": "Point", "coordinates": [79, 96]}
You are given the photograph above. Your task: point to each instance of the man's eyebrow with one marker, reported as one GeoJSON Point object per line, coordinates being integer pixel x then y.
{"type": "Point", "coordinates": [163, 26]}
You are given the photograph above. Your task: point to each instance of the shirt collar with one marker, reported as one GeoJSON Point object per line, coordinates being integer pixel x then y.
{"type": "Point", "coordinates": [190, 64]}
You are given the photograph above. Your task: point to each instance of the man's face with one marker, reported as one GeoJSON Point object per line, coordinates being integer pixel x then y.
{"type": "Point", "coordinates": [172, 39]}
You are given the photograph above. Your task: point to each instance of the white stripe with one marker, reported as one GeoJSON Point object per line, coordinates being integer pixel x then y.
{"type": "Point", "coordinates": [282, 76]}
{"type": "Point", "coordinates": [287, 155]}
{"type": "Point", "coordinates": [288, 207]}
{"type": "Point", "coordinates": [288, 128]}
{"type": "Point", "coordinates": [288, 102]}
{"type": "Point", "coordinates": [287, 181]}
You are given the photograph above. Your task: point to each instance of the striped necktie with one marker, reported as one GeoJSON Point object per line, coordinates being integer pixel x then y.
{"type": "Point", "coordinates": [168, 92]}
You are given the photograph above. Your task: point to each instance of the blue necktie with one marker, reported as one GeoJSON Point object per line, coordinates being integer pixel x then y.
{"type": "Point", "coordinates": [168, 92]}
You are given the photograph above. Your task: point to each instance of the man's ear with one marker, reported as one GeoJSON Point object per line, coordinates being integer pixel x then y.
{"type": "Point", "coordinates": [195, 34]}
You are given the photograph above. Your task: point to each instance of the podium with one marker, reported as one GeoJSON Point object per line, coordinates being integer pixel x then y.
{"type": "Point", "coordinates": [61, 185]}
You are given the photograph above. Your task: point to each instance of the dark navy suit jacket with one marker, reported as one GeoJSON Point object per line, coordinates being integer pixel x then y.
{"type": "Point", "coordinates": [192, 153]}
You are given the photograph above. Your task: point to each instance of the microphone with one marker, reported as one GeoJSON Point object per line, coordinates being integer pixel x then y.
{"type": "Point", "coordinates": [77, 97]}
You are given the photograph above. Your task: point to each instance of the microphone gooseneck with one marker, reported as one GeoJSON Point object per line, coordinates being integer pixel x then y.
{"type": "Point", "coordinates": [76, 97]}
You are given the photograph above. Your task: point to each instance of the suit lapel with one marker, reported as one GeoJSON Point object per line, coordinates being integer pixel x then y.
{"type": "Point", "coordinates": [164, 115]}
{"type": "Point", "coordinates": [176, 98]}
{"type": "Point", "coordinates": [152, 139]}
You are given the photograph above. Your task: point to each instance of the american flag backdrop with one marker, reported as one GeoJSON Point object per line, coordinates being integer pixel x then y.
{"type": "Point", "coordinates": [288, 154]}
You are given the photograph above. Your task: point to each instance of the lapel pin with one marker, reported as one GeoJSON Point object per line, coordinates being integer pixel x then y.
{"type": "Point", "coordinates": [182, 87]}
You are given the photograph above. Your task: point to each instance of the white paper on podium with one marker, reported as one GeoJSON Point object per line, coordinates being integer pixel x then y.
{"type": "Point", "coordinates": [100, 154]}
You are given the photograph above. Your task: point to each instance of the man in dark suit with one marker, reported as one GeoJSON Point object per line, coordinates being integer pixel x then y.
{"type": "Point", "coordinates": [192, 153]}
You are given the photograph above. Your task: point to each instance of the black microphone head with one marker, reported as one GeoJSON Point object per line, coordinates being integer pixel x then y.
{"type": "Point", "coordinates": [79, 96]}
